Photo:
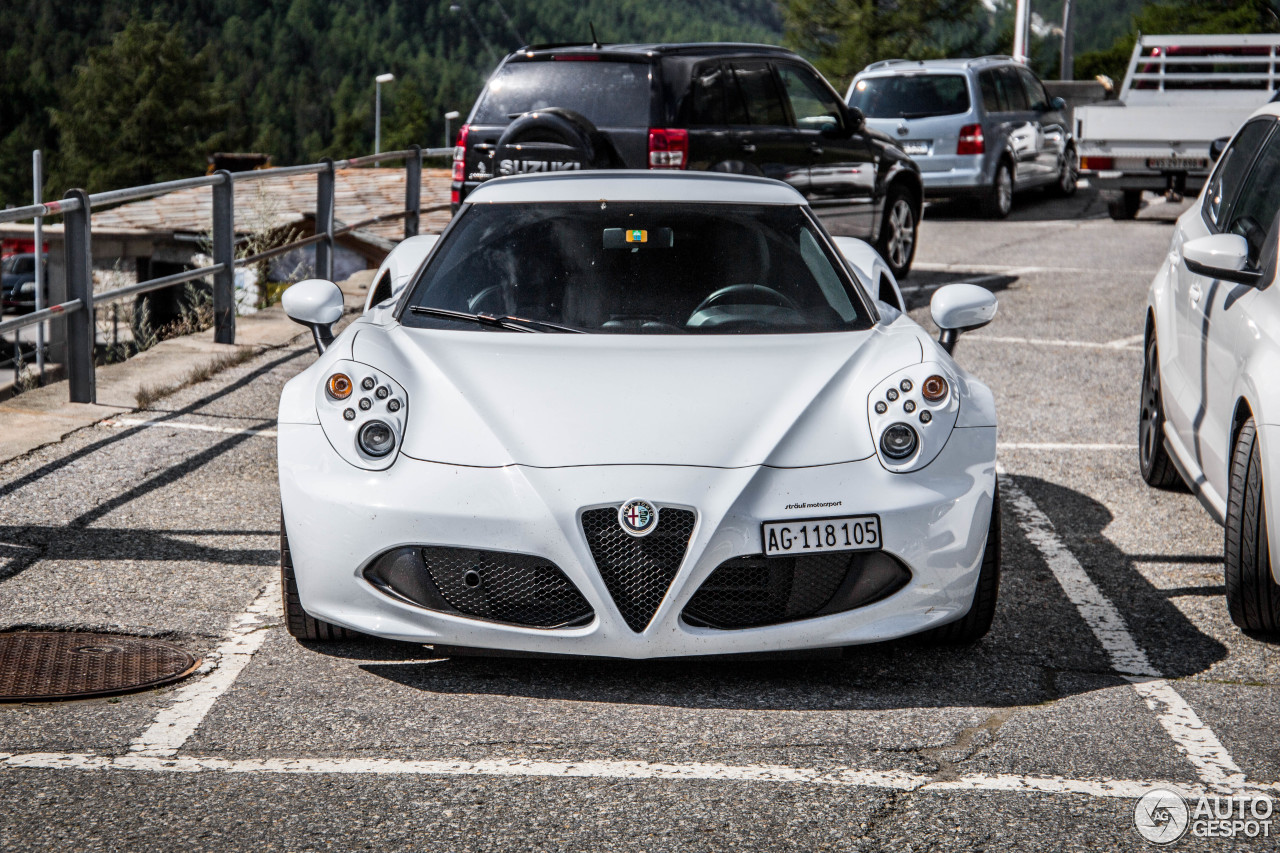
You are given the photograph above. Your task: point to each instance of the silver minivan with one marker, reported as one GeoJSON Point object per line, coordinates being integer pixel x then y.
{"type": "Point", "coordinates": [978, 128]}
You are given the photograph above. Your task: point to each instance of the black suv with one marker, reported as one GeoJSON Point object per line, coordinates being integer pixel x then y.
{"type": "Point", "coordinates": [746, 109]}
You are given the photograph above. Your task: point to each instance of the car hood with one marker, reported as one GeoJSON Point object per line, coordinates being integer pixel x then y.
{"type": "Point", "coordinates": [553, 400]}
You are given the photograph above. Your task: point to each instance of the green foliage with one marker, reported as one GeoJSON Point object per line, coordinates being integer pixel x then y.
{"type": "Point", "coordinates": [139, 111]}
{"type": "Point", "coordinates": [1171, 17]}
{"type": "Point", "coordinates": [844, 36]}
{"type": "Point", "coordinates": [292, 78]}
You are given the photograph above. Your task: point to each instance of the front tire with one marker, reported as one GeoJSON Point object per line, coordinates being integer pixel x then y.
{"type": "Point", "coordinates": [1153, 460]}
{"type": "Point", "coordinates": [975, 624]}
{"type": "Point", "coordinates": [1253, 596]}
{"type": "Point", "coordinates": [897, 243]}
{"type": "Point", "coordinates": [296, 620]}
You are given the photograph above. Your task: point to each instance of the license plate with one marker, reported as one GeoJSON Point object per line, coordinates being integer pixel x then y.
{"type": "Point", "coordinates": [916, 146]}
{"type": "Point", "coordinates": [813, 535]}
{"type": "Point", "coordinates": [1177, 163]}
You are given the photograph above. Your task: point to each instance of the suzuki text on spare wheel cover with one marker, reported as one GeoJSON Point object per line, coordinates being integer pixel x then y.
{"type": "Point", "coordinates": [629, 415]}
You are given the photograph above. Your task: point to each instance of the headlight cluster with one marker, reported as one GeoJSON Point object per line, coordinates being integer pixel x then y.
{"type": "Point", "coordinates": [363, 413]}
{"type": "Point", "coordinates": [911, 415]}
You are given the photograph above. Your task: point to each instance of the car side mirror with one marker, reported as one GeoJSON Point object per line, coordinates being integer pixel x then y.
{"type": "Point", "coordinates": [316, 304]}
{"type": "Point", "coordinates": [958, 308]}
{"type": "Point", "coordinates": [1057, 104]}
{"type": "Point", "coordinates": [1217, 146]}
{"type": "Point", "coordinates": [1220, 256]}
{"type": "Point", "coordinates": [857, 120]}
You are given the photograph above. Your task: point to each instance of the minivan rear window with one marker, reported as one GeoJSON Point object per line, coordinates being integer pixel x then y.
{"type": "Point", "coordinates": [609, 94]}
{"type": "Point", "coordinates": [911, 96]}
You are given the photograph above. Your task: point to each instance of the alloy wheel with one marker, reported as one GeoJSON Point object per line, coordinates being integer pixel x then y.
{"type": "Point", "coordinates": [902, 234]}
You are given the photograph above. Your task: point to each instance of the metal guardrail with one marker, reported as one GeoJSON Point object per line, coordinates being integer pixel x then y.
{"type": "Point", "coordinates": [77, 206]}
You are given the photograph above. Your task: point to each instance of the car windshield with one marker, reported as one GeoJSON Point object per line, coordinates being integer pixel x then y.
{"type": "Point", "coordinates": [609, 94]}
{"type": "Point", "coordinates": [639, 268]}
{"type": "Point", "coordinates": [911, 96]}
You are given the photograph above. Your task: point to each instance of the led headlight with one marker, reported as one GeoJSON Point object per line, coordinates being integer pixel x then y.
{"type": "Point", "coordinates": [376, 439]}
{"type": "Point", "coordinates": [899, 441]}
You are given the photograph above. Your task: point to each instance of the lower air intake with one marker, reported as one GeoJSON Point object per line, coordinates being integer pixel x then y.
{"type": "Point", "coordinates": [749, 592]}
{"type": "Point", "coordinates": [516, 589]}
{"type": "Point", "coordinates": [638, 571]}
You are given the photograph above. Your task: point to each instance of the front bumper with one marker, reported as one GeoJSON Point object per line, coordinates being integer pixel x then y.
{"type": "Point", "coordinates": [340, 518]}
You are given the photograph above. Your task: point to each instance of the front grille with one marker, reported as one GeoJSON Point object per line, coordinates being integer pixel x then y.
{"type": "Point", "coordinates": [638, 571]}
{"type": "Point", "coordinates": [748, 592]}
{"type": "Point", "coordinates": [516, 589]}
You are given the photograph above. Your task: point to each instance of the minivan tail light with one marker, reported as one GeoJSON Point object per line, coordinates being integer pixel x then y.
{"type": "Point", "coordinates": [1097, 164]}
{"type": "Point", "coordinates": [459, 165]}
{"type": "Point", "coordinates": [971, 141]}
{"type": "Point", "coordinates": [668, 148]}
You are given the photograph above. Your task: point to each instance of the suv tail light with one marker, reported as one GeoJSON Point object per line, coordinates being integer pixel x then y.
{"type": "Point", "coordinates": [459, 165]}
{"type": "Point", "coordinates": [971, 141]}
{"type": "Point", "coordinates": [668, 148]}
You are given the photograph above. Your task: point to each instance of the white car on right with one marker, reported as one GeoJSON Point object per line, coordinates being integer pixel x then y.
{"type": "Point", "coordinates": [1210, 408]}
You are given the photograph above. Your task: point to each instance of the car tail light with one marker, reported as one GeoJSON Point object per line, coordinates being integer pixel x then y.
{"type": "Point", "coordinates": [459, 164]}
{"type": "Point", "coordinates": [971, 141]}
{"type": "Point", "coordinates": [1097, 164]}
{"type": "Point", "coordinates": [668, 148]}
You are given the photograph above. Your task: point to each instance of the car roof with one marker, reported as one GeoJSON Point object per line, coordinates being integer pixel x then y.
{"type": "Point", "coordinates": [652, 49]}
{"type": "Point", "coordinates": [1270, 109]}
{"type": "Point", "coordinates": [635, 185]}
{"type": "Point", "coordinates": [895, 66]}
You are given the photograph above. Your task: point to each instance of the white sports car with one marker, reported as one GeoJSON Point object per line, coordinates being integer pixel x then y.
{"type": "Point", "coordinates": [1209, 412]}
{"type": "Point", "coordinates": [633, 416]}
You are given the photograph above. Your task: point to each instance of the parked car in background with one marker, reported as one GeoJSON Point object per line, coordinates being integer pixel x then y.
{"type": "Point", "coordinates": [742, 109]}
{"type": "Point", "coordinates": [18, 282]}
{"type": "Point", "coordinates": [1180, 93]}
{"type": "Point", "coordinates": [1209, 415]}
{"type": "Point", "coordinates": [638, 416]}
{"type": "Point", "coordinates": [978, 128]}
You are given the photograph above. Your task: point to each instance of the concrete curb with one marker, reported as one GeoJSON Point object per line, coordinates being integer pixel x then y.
{"type": "Point", "coordinates": [43, 415]}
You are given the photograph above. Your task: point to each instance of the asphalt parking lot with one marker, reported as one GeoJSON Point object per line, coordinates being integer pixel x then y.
{"type": "Point", "coordinates": [1112, 664]}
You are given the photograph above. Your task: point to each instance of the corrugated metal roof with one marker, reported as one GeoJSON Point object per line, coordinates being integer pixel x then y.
{"type": "Point", "coordinates": [267, 203]}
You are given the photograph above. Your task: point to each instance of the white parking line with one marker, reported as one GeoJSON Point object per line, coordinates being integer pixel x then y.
{"type": "Point", "coordinates": [193, 701]}
{"type": "Point", "coordinates": [1203, 749]}
{"type": "Point", "coordinates": [1058, 445]}
{"type": "Point", "coordinates": [625, 770]}
{"type": "Point", "coordinates": [1024, 270]}
{"type": "Point", "coordinates": [1121, 345]}
{"type": "Point", "coordinates": [138, 422]}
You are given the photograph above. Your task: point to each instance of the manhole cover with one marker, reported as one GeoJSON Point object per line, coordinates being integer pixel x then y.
{"type": "Point", "coordinates": [48, 665]}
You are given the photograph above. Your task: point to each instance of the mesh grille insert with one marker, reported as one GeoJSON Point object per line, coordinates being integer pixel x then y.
{"type": "Point", "coordinates": [513, 588]}
{"type": "Point", "coordinates": [637, 571]}
{"type": "Point", "coordinates": [748, 592]}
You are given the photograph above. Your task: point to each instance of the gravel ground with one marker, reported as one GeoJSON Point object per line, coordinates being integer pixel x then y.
{"type": "Point", "coordinates": [171, 532]}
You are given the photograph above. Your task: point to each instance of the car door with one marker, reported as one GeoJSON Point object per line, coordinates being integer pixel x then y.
{"type": "Point", "coordinates": [842, 165]}
{"type": "Point", "coordinates": [1222, 313]}
{"type": "Point", "coordinates": [715, 117]}
{"type": "Point", "coordinates": [1183, 349]}
{"type": "Point", "coordinates": [1024, 128]}
{"type": "Point", "coordinates": [769, 141]}
{"type": "Point", "coordinates": [1050, 126]}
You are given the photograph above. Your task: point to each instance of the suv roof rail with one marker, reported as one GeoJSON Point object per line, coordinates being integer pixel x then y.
{"type": "Point", "coordinates": [552, 45]}
{"type": "Point", "coordinates": [994, 57]}
{"type": "Point", "coordinates": [884, 63]}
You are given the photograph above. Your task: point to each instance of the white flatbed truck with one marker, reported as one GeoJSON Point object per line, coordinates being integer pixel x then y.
{"type": "Point", "coordinates": [1180, 93]}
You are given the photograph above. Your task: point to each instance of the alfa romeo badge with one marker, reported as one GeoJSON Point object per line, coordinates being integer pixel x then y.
{"type": "Point", "coordinates": [638, 517]}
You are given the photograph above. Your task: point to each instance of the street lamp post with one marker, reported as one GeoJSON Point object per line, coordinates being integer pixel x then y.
{"type": "Point", "coordinates": [448, 120]}
{"type": "Point", "coordinates": [377, 109]}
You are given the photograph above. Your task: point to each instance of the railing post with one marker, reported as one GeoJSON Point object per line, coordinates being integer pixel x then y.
{"type": "Point", "coordinates": [412, 191]}
{"type": "Point", "coordinates": [324, 220]}
{"type": "Point", "coordinates": [80, 330]}
{"type": "Point", "coordinates": [224, 241]}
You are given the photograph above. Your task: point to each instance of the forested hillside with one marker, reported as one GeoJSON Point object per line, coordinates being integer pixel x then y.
{"type": "Point", "coordinates": [294, 78]}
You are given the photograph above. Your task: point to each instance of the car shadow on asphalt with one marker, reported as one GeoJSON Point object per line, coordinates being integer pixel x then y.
{"type": "Point", "coordinates": [1039, 649]}
{"type": "Point", "coordinates": [1034, 205]}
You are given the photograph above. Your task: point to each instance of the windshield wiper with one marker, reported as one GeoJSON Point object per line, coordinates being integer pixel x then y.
{"type": "Point", "coordinates": [515, 324]}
